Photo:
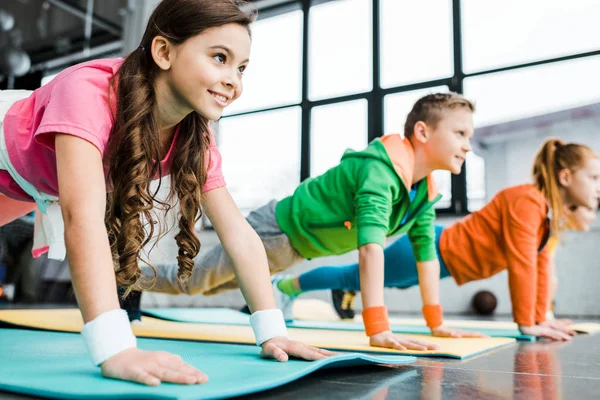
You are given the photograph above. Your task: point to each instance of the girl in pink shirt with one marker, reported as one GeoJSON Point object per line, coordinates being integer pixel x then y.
{"type": "Point", "coordinates": [89, 143]}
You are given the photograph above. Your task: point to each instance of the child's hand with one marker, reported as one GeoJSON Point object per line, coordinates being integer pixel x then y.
{"type": "Point", "coordinates": [281, 348]}
{"type": "Point", "coordinates": [545, 332]}
{"type": "Point", "coordinates": [442, 331]}
{"type": "Point", "coordinates": [560, 325]}
{"type": "Point", "coordinates": [389, 340]}
{"type": "Point", "coordinates": [151, 368]}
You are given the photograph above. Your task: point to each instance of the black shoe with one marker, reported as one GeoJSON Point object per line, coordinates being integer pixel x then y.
{"type": "Point", "coordinates": [343, 301]}
{"type": "Point", "coordinates": [245, 310]}
{"type": "Point", "coordinates": [131, 304]}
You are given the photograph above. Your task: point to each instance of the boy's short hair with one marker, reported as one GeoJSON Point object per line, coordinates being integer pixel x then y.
{"type": "Point", "coordinates": [430, 108]}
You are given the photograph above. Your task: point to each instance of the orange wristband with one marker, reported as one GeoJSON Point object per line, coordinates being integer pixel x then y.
{"type": "Point", "coordinates": [433, 315]}
{"type": "Point", "coordinates": [375, 320]}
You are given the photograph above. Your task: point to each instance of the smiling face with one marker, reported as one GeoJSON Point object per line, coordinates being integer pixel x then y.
{"type": "Point", "coordinates": [204, 73]}
{"type": "Point", "coordinates": [449, 140]}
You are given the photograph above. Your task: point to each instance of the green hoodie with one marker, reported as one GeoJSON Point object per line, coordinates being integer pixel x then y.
{"type": "Point", "coordinates": [362, 200]}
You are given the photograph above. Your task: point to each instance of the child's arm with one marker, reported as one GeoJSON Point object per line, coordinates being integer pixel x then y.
{"type": "Point", "coordinates": [524, 272]}
{"type": "Point", "coordinates": [544, 266]}
{"type": "Point", "coordinates": [372, 207]}
{"type": "Point", "coordinates": [422, 237]}
{"type": "Point", "coordinates": [545, 274]}
{"type": "Point", "coordinates": [371, 270]}
{"type": "Point", "coordinates": [553, 287]}
{"type": "Point", "coordinates": [429, 284]}
{"type": "Point", "coordinates": [107, 331]}
{"type": "Point", "coordinates": [551, 246]}
{"type": "Point", "coordinates": [250, 265]}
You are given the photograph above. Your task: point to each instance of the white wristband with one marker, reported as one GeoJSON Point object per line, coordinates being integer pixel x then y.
{"type": "Point", "coordinates": [108, 334]}
{"type": "Point", "coordinates": [268, 324]}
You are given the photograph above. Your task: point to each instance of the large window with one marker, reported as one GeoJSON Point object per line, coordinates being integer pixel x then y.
{"type": "Point", "coordinates": [329, 75]}
{"type": "Point", "coordinates": [261, 155]}
{"type": "Point", "coordinates": [335, 128]}
{"type": "Point", "coordinates": [409, 27]}
{"type": "Point", "coordinates": [499, 33]}
{"type": "Point", "coordinates": [261, 150]}
{"type": "Point", "coordinates": [475, 166]}
{"type": "Point", "coordinates": [340, 47]}
{"type": "Point", "coordinates": [274, 74]}
{"type": "Point", "coordinates": [510, 95]}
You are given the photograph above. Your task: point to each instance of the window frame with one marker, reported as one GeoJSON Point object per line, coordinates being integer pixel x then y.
{"type": "Point", "coordinates": [375, 97]}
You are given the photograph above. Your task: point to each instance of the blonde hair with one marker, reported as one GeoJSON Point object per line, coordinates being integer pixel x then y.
{"type": "Point", "coordinates": [430, 109]}
{"type": "Point", "coordinates": [553, 157]}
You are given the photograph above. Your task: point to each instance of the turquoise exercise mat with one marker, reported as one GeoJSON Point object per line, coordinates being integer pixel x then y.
{"type": "Point", "coordinates": [200, 315]}
{"type": "Point", "coordinates": [57, 365]}
{"type": "Point", "coordinates": [233, 317]}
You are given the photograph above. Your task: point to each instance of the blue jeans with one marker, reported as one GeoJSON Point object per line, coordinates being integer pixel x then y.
{"type": "Point", "coordinates": [400, 269]}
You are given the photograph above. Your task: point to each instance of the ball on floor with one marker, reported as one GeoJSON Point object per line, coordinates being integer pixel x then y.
{"type": "Point", "coordinates": [484, 302]}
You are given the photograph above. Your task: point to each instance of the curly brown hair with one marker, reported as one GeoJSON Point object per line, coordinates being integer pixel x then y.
{"type": "Point", "coordinates": [134, 146]}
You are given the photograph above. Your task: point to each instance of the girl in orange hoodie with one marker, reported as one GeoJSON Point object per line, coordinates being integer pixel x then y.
{"type": "Point", "coordinates": [510, 232]}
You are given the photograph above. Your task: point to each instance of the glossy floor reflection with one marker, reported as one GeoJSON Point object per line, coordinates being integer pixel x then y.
{"type": "Point", "coordinates": [542, 370]}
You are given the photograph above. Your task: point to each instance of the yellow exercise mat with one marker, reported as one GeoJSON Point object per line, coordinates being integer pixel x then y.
{"type": "Point", "coordinates": [70, 320]}
{"type": "Point", "coordinates": [586, 327]}
{"type": "Point", "coordinates": [319, 310]}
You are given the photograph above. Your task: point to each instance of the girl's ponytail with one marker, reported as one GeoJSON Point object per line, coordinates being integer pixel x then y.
{"type": "Point", "coordinates": [553, 157]}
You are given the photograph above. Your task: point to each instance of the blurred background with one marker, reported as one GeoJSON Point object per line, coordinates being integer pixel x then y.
{"type": "Point", "coordinates": [326, 75]}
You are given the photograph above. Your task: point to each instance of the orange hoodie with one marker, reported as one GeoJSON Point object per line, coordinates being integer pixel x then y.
{"type": "Point", "coordinates": [507, 233]}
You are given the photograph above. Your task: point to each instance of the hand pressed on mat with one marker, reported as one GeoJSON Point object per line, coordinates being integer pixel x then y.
{"type": "Point", "coordinates": [371, 268]}
{"type": "Point", "coordinates": [281, 349]}
{"type": "Point", "coordinates": [560, 325]}
{"type": "Point", "coordinates": [545, 332]}
{"type": "Point", "coordinates": [391, 341]}
{"type": "Point", "coordinates": [151, 368]}
{"type": "Point", "coordinates": [442, 331]}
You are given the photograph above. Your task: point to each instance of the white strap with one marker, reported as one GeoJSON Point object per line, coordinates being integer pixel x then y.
{"type": "Point", "coordinates": [268, 324]}
{"type": "Point", "coordinates": [54, 227]}
{"type": "Point", "coordinates": [49, 232]}
{"type": "Point", "coordinates": [108, 334]}
{"type": "Point", "coordinates": [48, 225]}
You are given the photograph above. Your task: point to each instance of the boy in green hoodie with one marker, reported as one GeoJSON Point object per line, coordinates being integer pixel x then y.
{"type": "Point", "coordinates": [386, 189]}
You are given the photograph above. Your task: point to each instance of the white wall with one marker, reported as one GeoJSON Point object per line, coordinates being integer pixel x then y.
{"type": "Point", "coordinates": [509, 161]}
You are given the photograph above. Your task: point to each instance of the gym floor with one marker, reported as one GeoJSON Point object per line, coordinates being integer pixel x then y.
{"type": "Point", "coordinates": [541, 370]}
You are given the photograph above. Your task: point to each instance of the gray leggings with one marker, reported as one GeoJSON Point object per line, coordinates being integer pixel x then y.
{"type": "Point", "coordinates": [213, 270]}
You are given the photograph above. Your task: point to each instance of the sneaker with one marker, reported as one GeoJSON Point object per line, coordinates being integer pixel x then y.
{"type": "Point", "coordinates": [343, 302]}
{"type": "Point", "coordinates": [283, 301]}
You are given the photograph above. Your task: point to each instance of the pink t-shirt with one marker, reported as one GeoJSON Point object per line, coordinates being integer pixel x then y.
{"type": "Point", "coordinates": [76, 103]}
